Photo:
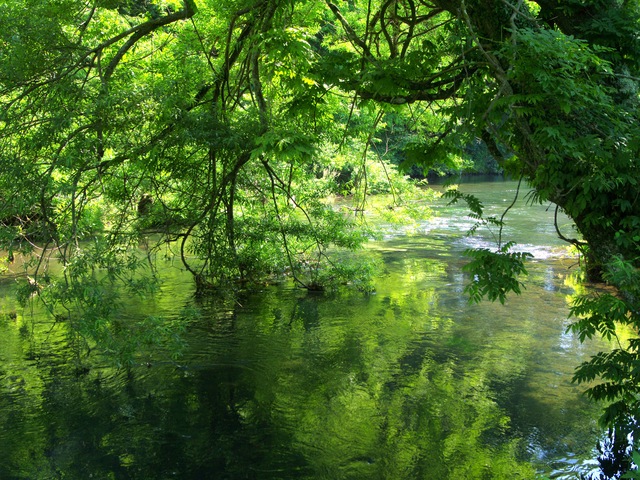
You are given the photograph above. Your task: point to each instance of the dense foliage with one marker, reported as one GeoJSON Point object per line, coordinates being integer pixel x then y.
{"type": "Point", "coordinates": [218, 128]}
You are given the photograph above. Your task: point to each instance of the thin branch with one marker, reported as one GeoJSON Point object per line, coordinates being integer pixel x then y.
{"type": "Point", "coordinates": [515, 198]}
{"type": "Point", "coordinates": [580, 245]}
{"type": "Point", "coordinates": [285, 242]}
{"type": "Point", "coordinates": [353, 37]}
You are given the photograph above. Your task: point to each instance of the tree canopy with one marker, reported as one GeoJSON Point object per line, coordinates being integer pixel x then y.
{"type": "Point", "coordinates": [219, 127]}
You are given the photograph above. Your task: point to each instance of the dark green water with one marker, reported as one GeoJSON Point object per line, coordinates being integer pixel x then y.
{"type": "Point", "coordinates": [409, 383]}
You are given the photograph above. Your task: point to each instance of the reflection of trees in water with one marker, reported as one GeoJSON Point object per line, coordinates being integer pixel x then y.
{"type": "Point", "coordinates": [282, 383]}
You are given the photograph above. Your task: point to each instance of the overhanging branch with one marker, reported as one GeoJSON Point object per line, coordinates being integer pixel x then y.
{"type": "Point", "coordinates": [139, 31]}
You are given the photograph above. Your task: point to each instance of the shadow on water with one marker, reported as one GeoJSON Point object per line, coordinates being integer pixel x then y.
{"type": "Point", "coordinates": [409, 383]}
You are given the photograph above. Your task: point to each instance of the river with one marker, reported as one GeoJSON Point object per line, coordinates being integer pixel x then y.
{"type": "Point", "coordinates": [411, 382]}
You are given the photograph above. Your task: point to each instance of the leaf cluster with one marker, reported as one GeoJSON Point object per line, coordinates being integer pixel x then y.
{"type": "Point", "coordinates": [495, 273]}
{"type": "Point", "coordinates": [617, 372]}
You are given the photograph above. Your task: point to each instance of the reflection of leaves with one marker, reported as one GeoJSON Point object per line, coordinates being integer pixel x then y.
{"type": "Point", "coordinates": [371, 402]}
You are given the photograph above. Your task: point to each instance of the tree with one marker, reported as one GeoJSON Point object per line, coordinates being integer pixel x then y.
{"type": "Point", "coordinates": [198, 131]}
{"type": "Point", "coordinates": [127, 124]}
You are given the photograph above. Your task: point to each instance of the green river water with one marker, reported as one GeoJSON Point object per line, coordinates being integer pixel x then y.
{"type": "Point", "coordinates": [411, 382]}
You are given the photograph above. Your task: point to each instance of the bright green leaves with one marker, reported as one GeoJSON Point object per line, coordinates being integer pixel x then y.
{"type": "Point", "coordinates": [34, 38]}
{"type": "Point", "coordinates": [619, 377]}
{"type": "Point", "coordinates": [473, 202]}
{"type": "Point", "coordinates": [559, 90]}
{"type": "Point", "coordinates": [432, 156]}
{"type": "Point", "coordinates": [598, 314]}
{"type": "Point", "coordinates": [618, 371]}
{"type": "Point", "coordinates": [556, 63]}
{"type": "Point", "coordinates": [477, 213]}
{"type": "Point", "coordinates": [601, 313]}
{"type": "Point", "coordinates": [289, 144]}
{"type": "Point", "coordinates": [572, 130]}
{"type": "Point", "coordinates": [290, 54]}
{"type": "Point", "coordinates": [495, 273]}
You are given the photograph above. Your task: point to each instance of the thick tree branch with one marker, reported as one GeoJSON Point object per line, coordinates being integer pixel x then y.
{"type": "Point", "coordinates": [140, 31]}
{"type": "Point", "coordinates": [149, 26]}
{"type": "Point", "coordinates": [429, 92]}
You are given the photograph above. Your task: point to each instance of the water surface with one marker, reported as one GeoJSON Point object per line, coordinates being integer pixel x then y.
{"type": "Point", "coordinates": [411, 382]}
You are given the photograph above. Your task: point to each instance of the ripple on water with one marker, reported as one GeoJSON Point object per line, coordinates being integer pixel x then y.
{"type": "Point", "coordinates": [572, 468]}
{"type": "Point", "coordinates": [280, 371]}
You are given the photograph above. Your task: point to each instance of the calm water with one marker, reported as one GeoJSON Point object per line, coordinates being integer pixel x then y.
{"type": "Point", "coordinates": [411, 382]}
